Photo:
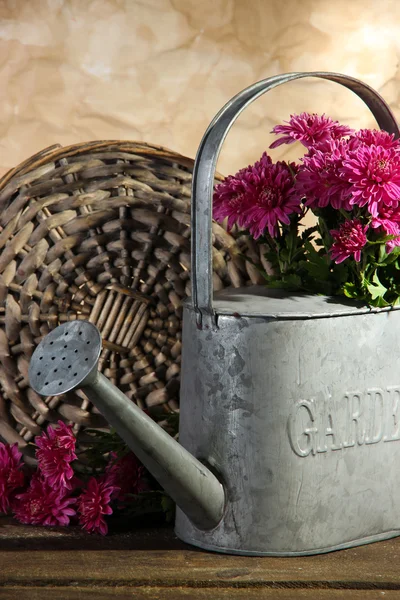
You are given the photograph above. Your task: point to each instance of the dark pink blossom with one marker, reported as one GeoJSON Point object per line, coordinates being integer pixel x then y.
{"type": "Point", "coordinates": [272, 200]}
{"type": "Point", "coordinates": [391, 244]}
{"type": "Point", "coordinates": [350, 239]}
{"type": "Point", "coordinates": [374, 175]}
{"type": "Point", "coordinates": [42, 504]}
{"type": "Point", "coordinates": [258, 197]}
{"type": "Point", "coordinates": [375, 137]}
{"type": "Point", "coordinates": [388, 220]}
{"type": "Point", "coordinates": [127, 474]}
{"type": "Point", "coordinates": [309, 129]}
{"type": "Point", "coordinates": [234, 195]}
{"type": "Point", "coordinates": [94, 504]}
{"type": "Point", "coordinates": [56, 450]}
{"type": "Point", "coordinates": [11, 475]}
{"type": "Point", "coordinates": [319, 180]}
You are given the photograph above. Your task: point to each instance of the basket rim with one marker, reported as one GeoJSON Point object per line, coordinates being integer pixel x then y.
{"type": "Point", "coordinates": [57, 151]}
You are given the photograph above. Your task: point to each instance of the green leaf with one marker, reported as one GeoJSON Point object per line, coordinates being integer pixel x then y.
{"type": "Point", "coordinates": [168, 507]}
{"type": "Point", "coordinates": [378, 302]}
{"type": "Point", "coordinates": [291, 239]}
{"type": "Point", "coordinates": [308, 233]}
{"type": "Point", "coordinates": [287, 282]}
{"type": "Point", "coordinates": [340, 274]}
{"type": "Point", "coordinates": [351, 290]}
{"type": "Point", "coordinates": [387, 259]}
{"type": "Point", "coordinates": [376, 289]}
{"type": "Point", "coordinates": [316, 264]}
{"type": "Point", "coordinates": [284, 255]}
{"type": "Point", "coordinates": [369, 251]}
{"type": "Point", "coordinates": [382, 254]}
{"type": "Point", "coordinates": [346, 215]}
{"type": "Point", "coordinates": [292, 281]}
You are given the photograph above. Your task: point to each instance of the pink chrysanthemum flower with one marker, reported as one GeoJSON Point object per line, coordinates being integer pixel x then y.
{"type": "Point", "coordinates": [94, 503]}
{"type": "Point", "coordinates": [127, 474]}
{"type": "Point", "coordinates": [11, 475]}
{"type": "Point", "coordinates": [391, 244]}
{"type": "Point", "coordinates": [376, 137]}
{"type": "Point", "coordinates": [42, 504]}
{"type": "Point", "coordinates": [319, 180]}
{"type": "Point", "coordinates": [233, 196]}
{"type": "Point", "coordinates": [309, 129]}
{"type": "Point", "coordinates": [273, 200]}
{"type": "Point", "coordinates": [56, 450]}
{"type": "Point", "coordinates": [258, 197]}
{"type": "Point", "coordinates": [388, 219]}
{"type": "Point", "coordinates": [374, 175]}
{"type": "Point", "coordinates": [350, 239]}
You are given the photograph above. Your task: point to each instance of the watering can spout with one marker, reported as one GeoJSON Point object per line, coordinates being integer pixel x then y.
{"type": "Point", "coordinates": [67, 359]}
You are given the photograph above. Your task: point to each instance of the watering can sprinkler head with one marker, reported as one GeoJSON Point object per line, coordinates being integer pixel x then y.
{"type": "Point", "coordinates": [66, 360]}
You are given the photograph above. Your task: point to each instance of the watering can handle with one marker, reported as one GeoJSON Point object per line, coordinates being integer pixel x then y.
{"type": "Point", "coordinates": [205, 165]}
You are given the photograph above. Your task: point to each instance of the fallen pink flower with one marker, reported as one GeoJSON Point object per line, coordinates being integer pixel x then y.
{"type": "Point", "coordinates": [56, 450]}
{"type": "Point", "coordinates": [94, 504]}
{"type": "Point", "coordinates": [126, 474]}
{"type": "Point", "coordinates": [42, 504]}
{"type": "Point", "coordinates": [11, 475]}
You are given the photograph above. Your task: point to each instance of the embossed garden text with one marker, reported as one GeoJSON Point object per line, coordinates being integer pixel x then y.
{"type": "Point", "coordinates": [359, 418]}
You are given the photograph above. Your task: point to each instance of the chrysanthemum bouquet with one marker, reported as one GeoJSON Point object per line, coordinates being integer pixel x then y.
{"type": "Point", "coordinates": [350, 181]}
{"type": "Point", "coordinates": [55, 493]}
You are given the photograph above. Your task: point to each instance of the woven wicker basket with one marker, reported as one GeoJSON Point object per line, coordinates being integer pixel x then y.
{"type": "Point", "coordinates": [99, 231]}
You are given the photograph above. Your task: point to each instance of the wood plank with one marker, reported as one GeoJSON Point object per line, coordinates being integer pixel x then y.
{"type": "Point", "coordinates": [40, 557]}
{"type": "Point", "coordinates": [14, 536]}
{"type": "Point", "coordinates": [362, 568]}
{"type": "Point", "coordinates": [152, 593]}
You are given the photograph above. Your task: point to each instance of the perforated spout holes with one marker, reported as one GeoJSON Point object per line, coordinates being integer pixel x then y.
{"type": "Point", "coordinates": [65, 358]}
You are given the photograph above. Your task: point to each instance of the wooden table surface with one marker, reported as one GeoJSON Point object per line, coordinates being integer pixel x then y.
{"type": "Point", "coordinates": [56, 563]}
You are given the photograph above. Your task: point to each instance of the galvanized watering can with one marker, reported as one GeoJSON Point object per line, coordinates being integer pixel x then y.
{"type": "Point", "coordinates": [290, 405]}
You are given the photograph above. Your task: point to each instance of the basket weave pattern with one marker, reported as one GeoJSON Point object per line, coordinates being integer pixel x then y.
{"type": "Point", "coordinates": [99, 231]}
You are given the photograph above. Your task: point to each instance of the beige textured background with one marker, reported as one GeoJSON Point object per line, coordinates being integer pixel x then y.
{"type": "Point", "coordinates": [159, 70]}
